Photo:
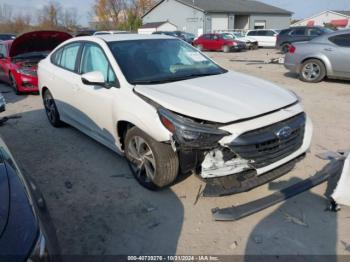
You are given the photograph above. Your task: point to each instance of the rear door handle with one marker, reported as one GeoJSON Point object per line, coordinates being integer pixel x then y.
{"type": "Point", "coordinates": [328, 49]}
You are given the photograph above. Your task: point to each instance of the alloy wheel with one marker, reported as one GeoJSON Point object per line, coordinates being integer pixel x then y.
{"type": "Point", "coordinates": [311, 71]}
{"type": "Point", "coordinates": [50, 107]}
{"type": "Point", "coordinates": [142, 159]}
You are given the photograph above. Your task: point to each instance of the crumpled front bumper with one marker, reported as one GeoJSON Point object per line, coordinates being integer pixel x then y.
{"type": "Point", "coordinates": [330, 171]}
{"type": "Point", "coordinates": [246, 181]}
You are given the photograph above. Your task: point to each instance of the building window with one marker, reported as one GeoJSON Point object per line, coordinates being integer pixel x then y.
{"type": "Point", "coordinates": [259, 24]}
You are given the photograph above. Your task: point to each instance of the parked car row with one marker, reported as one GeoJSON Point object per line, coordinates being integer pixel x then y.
{"type": "Point", "coordinates": [187, 37]}
{"type": "Point", "coordinates": [218, 42]}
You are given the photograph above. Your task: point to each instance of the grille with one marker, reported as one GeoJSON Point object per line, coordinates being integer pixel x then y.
{"type": "Point", "coordinates": [263, 146]}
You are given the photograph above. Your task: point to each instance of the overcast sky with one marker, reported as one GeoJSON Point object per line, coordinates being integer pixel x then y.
{"type": "Point", "coordinates": [301, 8]}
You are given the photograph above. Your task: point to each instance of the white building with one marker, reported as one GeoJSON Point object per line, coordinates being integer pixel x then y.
{"type": "Point", "coordinates": [340, 19]}
{"type": "Point", "coordinates": [204, 16]}
{"type": "Point", "coordinates": [149, 28]}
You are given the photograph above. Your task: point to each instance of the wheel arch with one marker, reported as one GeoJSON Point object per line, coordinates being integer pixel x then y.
{"type": "Point", "coordinates": [323, 60]}
{"type": "Point", "coordinates": [43, 90]}
{"type": "Point", "coordinates": [122, 127]}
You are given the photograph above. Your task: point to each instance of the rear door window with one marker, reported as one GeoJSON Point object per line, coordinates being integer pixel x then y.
{"type": "Point", "coordinates": [252, 33]}
{"type": "Point", "coordinates": [298, 32]}
{"type": "Point", "coordinates": [56, 57]}
{"type": "Point", "coordinates": [262, 33]}
{"type": "Point", "coordinates": [341, 40]}
{"type": "Point", "coordinates": [69, 56]}
{"type": "Point", "coordinates": [314, 32]}
{"type": "Point", "coordinates": [270, 33]}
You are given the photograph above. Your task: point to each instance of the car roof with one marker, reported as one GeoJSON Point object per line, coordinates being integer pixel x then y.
{"type": "Point", "coordinates": [325, 37]}
{"type": "Point", "coordinates": [339, 32]}
{"type": "Point", "coordinates": [125, 37]}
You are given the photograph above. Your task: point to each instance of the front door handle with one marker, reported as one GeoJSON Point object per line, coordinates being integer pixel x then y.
{"type": "Point", "coordinates": [328, 49]}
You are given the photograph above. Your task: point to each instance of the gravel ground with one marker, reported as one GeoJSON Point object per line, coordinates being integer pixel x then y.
{"type": "Point", "coordinates": [98, 208]}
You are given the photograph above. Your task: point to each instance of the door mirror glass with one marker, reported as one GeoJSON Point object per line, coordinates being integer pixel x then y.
{"type": "Point", "coordinates": [94, 78]}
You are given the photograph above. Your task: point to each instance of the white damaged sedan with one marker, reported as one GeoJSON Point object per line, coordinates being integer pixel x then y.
{"type": "Point", "coordinates": [170, 109]}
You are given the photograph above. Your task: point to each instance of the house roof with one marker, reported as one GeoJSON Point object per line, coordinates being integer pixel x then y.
{"type": "Point", "coordinates": [231, 6]}
{"type": "Point", "coordinates": [347, 13]}
{"type": "Point", "coordinates": [153, 25]}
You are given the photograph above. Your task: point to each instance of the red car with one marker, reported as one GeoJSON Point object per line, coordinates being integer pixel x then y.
{"type": "Point", "coordinates": [218, 42]}
{"type": "Point", "coordinates": [19, 58]}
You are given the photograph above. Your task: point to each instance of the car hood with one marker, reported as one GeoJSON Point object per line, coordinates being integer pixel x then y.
{"type": "Point", "coordinates": [38, 41]}
{"type": "Point", "coordinates": [221, 98]}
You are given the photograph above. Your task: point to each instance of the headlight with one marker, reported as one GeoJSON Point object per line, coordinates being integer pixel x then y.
{"type": "Point", "coordinates": [26, 71]}
{"type": "Point", "coordinates": [189, 133]}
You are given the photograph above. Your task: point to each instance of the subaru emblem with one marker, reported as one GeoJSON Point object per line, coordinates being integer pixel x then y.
{"type": "Point", "coordinates": [284, 132]}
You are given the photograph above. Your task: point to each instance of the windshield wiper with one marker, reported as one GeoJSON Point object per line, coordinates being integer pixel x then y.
{"type": "Point", "coordinates": [169, 80]}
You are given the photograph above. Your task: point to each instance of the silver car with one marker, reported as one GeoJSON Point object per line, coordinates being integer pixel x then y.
{"type": "Point", "coordinates": [324, 56]}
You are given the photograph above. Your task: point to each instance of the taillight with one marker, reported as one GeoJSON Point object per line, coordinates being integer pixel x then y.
{"type": "Point", "coordinates": [291, 49]}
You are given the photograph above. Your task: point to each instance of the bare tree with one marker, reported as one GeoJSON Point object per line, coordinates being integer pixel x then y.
{"type": "Point", "coordinates": [50, 15]}
{"type": "Point", "coordinates": [109, 12]}
{"type": "Point", "coordinates": [70, 18]}
{"type": "Point", "coordinates": [5, 13]}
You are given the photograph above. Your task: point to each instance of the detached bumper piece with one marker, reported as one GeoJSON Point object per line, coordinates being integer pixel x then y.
{"type": "Point", "coordinates": [235, 213]}
{"type": "Point", "coordinates": [243, 182]}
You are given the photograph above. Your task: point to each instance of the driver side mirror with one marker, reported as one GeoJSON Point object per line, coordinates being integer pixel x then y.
{"type": "Point", "coordinates": [94, 78]}
{"type": "Point", "coordinates": [2, 56]}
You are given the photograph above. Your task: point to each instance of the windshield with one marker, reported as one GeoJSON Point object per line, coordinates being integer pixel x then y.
{"type": "Point", "coordinates": [227, 36]}
{"type": "Point", "coordinates": [239, 35]}
{"type": "Point", "coordinates": [155, 61]}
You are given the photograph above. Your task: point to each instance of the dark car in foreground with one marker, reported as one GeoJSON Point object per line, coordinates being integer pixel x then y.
{"type": "Point", "coordinates": [218, 42]}
{"type": "Point", "coordinates": [26, 233]}
{"type": "Point", "coordinates": [298, 34]}
{"type": "Point", "coordinates": [19, 58]}
{"type": "Point", "coordinates": [327, 55]}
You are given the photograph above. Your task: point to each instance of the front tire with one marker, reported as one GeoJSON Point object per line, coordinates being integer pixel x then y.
{"type": "Point", "coordinates": [225, 49]}
{"type": "Point", "coordinates": [312, 71]}
{"type": "Point", "coordinates": [154, 165]}
{"type": "Point", "coordinates": [51, 109]}
{"type": "Point", "coordinates": [13, 84]}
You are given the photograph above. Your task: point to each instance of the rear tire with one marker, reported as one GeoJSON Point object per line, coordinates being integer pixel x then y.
{"type": "Point", "coordinates": [51, 109]}
{"type": "Point", "coordinates": [312, 71]}
{"type": "Point", "coordinates": [154, 165]}
{"type": "Point", "coordinates": [285, 48]}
